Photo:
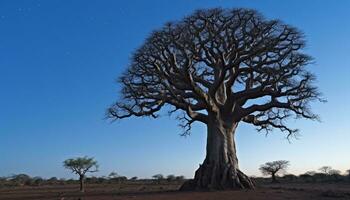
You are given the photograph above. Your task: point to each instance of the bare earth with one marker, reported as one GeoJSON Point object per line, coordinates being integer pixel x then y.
{"type": "Point", "coordinates": [302, 191]}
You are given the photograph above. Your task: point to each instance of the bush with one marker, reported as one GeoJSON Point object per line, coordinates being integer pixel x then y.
{"type": "Point", "coordinates": [158, 176]}
{"type": "Point", "coordinates": [180, 178]}
{"type": "Point", "coordinates": [170, 177]}
{"type": "Point", "coordinates": [289, 177]}
{"type": "Point", "coordinates": [36, 181]}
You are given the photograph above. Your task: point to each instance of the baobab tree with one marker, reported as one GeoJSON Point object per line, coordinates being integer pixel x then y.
{"type": "Point", "coordinates": [273, 168]}
{"type": "Point", "coordinates": [220, 67]}
{"type": "Point", "coordinates": [81, 166]}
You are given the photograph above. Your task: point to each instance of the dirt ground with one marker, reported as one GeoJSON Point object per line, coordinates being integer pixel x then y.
{"type": "Point", "coordinates": [302, 191]}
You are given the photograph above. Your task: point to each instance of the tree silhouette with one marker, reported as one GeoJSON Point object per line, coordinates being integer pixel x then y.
{"type": "Point", "coordinates": [158, 176]}
{"type": "Point", "coordinates": [273, 168]}
{"type": "Point", "coordinates": [220, 67]}
{"type": "Point", "coordinates": [325, 169]}
{"type": "Point", "coordinates": [334, 172]}
{"type": "Point", "coordinates": [113, 175]}
{"type": "Point", "coordinates": [81, 166]}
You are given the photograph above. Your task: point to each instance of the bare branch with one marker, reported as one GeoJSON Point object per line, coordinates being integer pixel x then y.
{"type": "Point", "coordinates": [233, 64]}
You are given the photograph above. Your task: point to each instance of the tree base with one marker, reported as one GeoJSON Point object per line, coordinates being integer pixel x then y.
{"type": "Point", "coordinates": [217, 178]}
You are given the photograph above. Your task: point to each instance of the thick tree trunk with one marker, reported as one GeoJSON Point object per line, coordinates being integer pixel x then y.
{"type": "Point", "coordinates": [273, 178]}
{"type": "Point", "coordinates": [219, 170]}
{"type": "Point", "coordinates": [81, 180]}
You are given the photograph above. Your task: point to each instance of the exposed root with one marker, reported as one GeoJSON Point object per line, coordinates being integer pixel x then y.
{"type": "Point", "coordinates": [216, 177]}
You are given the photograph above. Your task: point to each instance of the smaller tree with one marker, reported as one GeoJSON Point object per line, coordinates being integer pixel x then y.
{"type": "Point", "coordinates": [334, 172]}
{"type": "Point", "coordinates": [290, 177]}
{"type": "Point", "coordinates": [311, 173]}
{"type": "Point", "coordinates": [171, 177]}
{"type": "Point", "coordinates": [180, 178]}
{"type": "Point", "coordinates": [348, 172]}
{"type": "Point", "coordinates": [113, 175]}
{"type": "Point", "coordinates": [158, 177]}
{"type": "Point", "coordinates": [37, 181]}
{"type": "Point", "coordinates": [81, 166]}
{"type": "Point", "coordinates": [335, 175]}
{"type": "Point", "coordinates": [21, 179]}
{"type": "Point", "coordinates": [52, 181]}
{"type": "Point", "coordinates": [325, 169]}
{"type": "Point", "coordinates": [272, 168]}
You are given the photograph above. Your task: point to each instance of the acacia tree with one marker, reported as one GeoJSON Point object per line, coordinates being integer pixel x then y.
{"type": "Point", "coordinates": [220, 67]}
{"type": "Point", "coordinates": [81, 166]}
{"type": "Point", "coordinates": [273, 168]}
{"type": "Point", "coordinates": [325, 169]}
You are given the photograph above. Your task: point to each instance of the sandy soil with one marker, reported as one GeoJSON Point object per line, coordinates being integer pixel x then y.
{"type": "Point", "coordinates": [164, 192]}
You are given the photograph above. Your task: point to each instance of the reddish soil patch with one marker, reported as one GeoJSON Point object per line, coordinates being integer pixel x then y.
{"type": "Point", "coordinates": [168, 192]}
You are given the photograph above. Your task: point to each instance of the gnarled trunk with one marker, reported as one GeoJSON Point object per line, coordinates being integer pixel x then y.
{"type": "Point", "coordinates": [219, 170]}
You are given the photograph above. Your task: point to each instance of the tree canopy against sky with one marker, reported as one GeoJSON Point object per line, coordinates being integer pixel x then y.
{"type": "Point", "coordinates": [81, 166]}
{"type": "Point", "coordinates": [273, 168]}
{"type": "Point", "coordinates": [221, 67]}
{"type": "Point", "coordinates": [62, 57]}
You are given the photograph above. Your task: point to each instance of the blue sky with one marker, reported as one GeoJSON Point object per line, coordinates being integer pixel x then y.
{"type": "Point", "coordinates": [58, 65]}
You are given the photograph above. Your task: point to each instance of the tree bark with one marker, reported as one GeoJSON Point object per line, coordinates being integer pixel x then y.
{"type": "Point", "coordinates": [219, 170]}
{"type": "Point", "coordinates": [81, 180]}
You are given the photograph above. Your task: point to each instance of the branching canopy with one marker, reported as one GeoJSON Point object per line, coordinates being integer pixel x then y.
{"type": "Point", "coordinates": [274, 167]}
{"type": "Point", "coordinates": [325, 169]}
{"type": "Point", "coordinates": [232, 64]}
{"type": "Point", "coordinates": [81, 165]}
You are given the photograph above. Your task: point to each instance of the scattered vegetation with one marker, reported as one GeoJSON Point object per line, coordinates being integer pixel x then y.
{"type": "Point", "coordinates": [328, 176]}
{"type": "Point", "coordinates": [22, 180]}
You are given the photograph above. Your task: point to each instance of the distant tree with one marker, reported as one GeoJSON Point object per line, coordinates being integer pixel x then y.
{"type": "Point", "coordinates": [134, 178]}
{"type": "Point", "coordinates": [311, 173]}
{"type": "Point", "coordinates": [3, 181]}
{"type": "Point", "coordinates": [306, 177]}
{"type": "Point", "coordinates": [37, 181]}
{"type": "Point", "coordinates": [290, 177]}
{"type": "Point", "coordinates": [52, 181]}
{"type": "Point", "coordinates": [334, 172]}
{"type": "Point", "coordinates": [170, 177]}
{"type": "Point", "coordinates": [53, 178]}
{"type": "Point", "coordinates": [320, 177]}
{"type": "Point", "coordinates": [325, 169]}
{"type": "Point", "coordinates": [335, 175]}
{"type": "Point", "coordinates": [81, 166]}
{"type": "Point", "coordinates": [180, 178]}
{"type": "Point", "coordinates": [113, 175]}
{"type": "Point", "coordinates": [272, 168]}
{"type": "Point", "coordinates": [220, 67]}
{"type": "Point", "coordinates": [348, 172]}
{"type": "Point", "coordinates": [158, 176]}
{"type": "Point", "coordinates": [121, 179]}
{"type": "Point", "coordinates": [21, 179]}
